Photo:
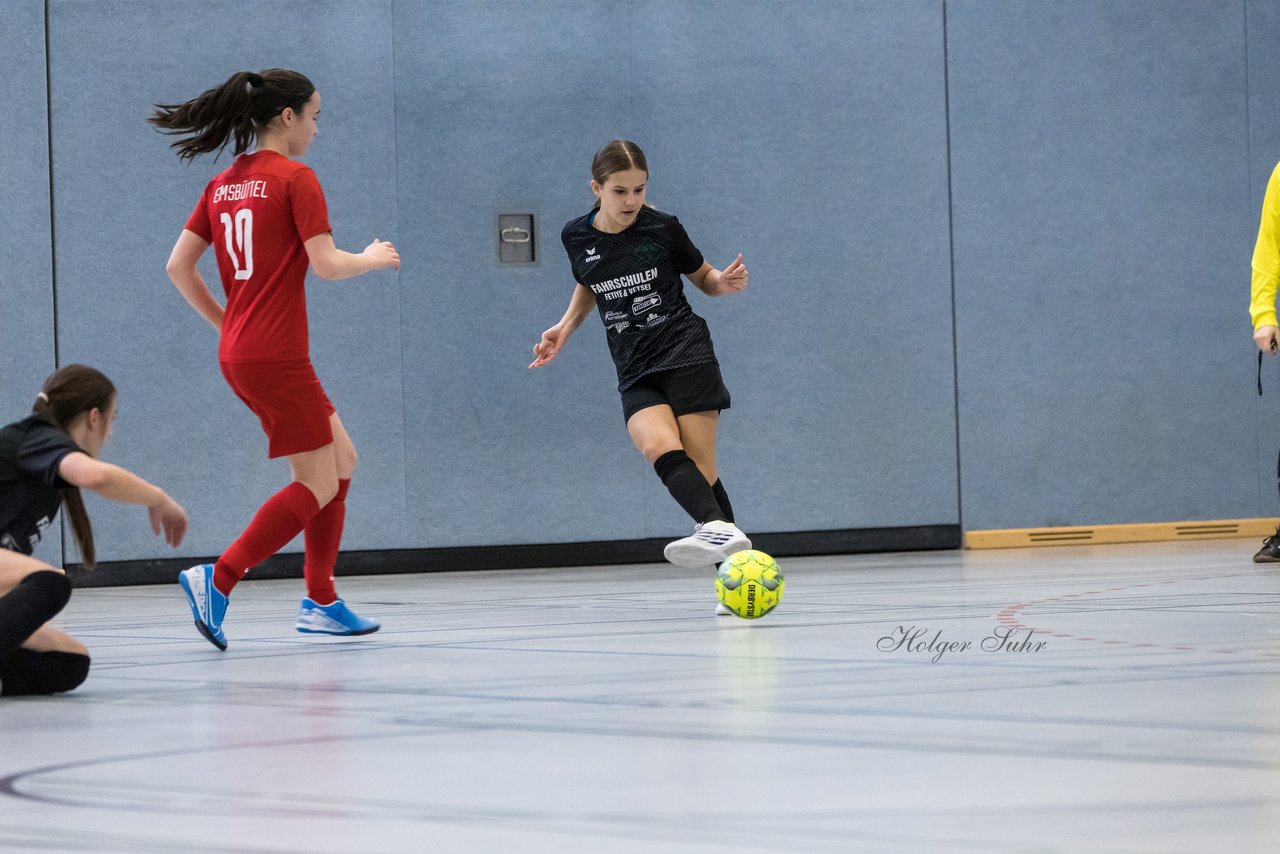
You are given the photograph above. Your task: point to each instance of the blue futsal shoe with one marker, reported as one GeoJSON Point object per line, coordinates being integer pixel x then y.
{"type": "Point", "coordinates": [208, 605]}
{"type": "Point", "coordinates": [335, 619]}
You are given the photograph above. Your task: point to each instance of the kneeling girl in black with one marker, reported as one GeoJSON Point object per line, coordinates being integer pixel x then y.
{"type": "Point", "coordinates": [628, 259]}
{"type": "Point", "coordinates": [45, 460]}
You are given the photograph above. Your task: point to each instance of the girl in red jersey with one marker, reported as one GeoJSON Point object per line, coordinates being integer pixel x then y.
{"type": "Point", "coordinates": [45, 460]}
{"type": "Point", "coordinates": [266, 217]}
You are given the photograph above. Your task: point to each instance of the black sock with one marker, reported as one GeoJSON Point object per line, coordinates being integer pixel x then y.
{"type": "Point", "coordinates": [722, 498]}
{"type": "Point", "coordinates": [23, 672]}
{"type": "Point", "coordinates": [35, 601]}
{"type": "Point", "coordinates": [687, 486]}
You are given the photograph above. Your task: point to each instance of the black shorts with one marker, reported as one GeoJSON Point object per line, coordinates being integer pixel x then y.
{"type": "Point", "coordinates": [694, 389]}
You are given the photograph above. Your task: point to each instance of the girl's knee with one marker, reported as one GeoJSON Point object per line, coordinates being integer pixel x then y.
{"type": "Point", "coordinates": [654, 449]}
{"type": "Point", "coordinates": [347, 461]}
{"type": "Point", "coordinates": [16, 568]}
{"type": "Point", "coordinates": [324, 489]}
{"type": "Point", "coordinates": [50, 587]}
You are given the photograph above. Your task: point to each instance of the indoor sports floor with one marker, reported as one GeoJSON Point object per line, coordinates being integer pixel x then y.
{"type": "Point", "coordinates": [608, 710]}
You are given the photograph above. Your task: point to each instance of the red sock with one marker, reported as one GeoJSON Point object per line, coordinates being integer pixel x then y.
{"type": "Point", "coordinates": [322, 535]}
{"type": "Point", "coordinates": [276, 523]}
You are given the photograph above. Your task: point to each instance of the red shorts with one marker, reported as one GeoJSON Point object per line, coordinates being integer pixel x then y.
{"type": "Point", "coordinates": [288, 399]}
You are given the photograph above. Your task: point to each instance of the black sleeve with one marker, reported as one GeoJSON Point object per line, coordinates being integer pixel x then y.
{"type": "Point", "coordinates": [686, 256]}
{"type": "Point", "coordinates": [41, 451]}
{"type": "Point", "coordinates": [566, 234]}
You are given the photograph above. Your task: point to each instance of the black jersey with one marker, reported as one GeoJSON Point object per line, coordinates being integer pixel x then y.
{"type": "Point", "coordinates": [30, 451]}
{"type": "Point", "coordinates": [635, 276]}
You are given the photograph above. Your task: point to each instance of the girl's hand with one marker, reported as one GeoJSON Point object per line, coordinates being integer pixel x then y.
{"type": "Point", "coordinates": [734, 277]}
{"type": "Point", "coordinates": [1266, 337]}
{"type": "Point", "coordinates": [382, 254]}
{"type": "Point", "coordinates": [547, 349]}
{"type": "Point", "coordinates": [168, 515]}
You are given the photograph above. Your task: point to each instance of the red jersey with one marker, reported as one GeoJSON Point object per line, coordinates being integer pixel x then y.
{"type": "Point", "coordinates": [258, 213]}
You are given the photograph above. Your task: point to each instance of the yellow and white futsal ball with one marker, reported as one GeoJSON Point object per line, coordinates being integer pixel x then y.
{"type": "Point", "coordinates": [750, 584]}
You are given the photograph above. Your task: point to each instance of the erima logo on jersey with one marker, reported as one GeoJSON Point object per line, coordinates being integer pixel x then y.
{"type": "Point", "coordinates": [641, 304]}
{"type": "Point", "coordinates": [591, 254]}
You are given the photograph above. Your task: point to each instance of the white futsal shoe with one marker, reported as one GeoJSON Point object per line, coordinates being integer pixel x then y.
{"type": "Point", "coordinates": [707, 546]}
{"type": "Point", "coordinates": [722, 610]}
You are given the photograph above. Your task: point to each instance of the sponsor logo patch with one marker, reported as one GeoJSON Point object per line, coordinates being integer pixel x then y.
{"type": "Point", "coordinates": [644, 303]}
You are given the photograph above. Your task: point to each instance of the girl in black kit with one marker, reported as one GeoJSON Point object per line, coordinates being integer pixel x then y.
{"type": "Point", "coordinates": [44, 461]}
{"type": "Point", "coordinates": [627, 259]}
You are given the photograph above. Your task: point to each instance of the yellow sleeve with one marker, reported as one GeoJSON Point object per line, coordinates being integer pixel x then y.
{"type": "Point", "coordinates": [1266, 257]}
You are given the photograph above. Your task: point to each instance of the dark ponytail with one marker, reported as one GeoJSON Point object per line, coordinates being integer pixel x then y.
{"type": "Point", "coordinates": [67, 392]}
{"type": "Point", "coordinates": [235, 110]}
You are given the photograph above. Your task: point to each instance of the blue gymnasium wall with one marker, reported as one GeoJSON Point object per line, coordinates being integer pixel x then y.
{"type": "Point", "coordinates": [1105, 176]}
{"type": "Point", "coordinates": [1263, 21]}
{"type": "Point", "coordinates": [492, 116]}
{"type": "Point", "coordinates": [815, 144]}
{"type": "Point", "coordinates": [1103, 225]}
{"type": "Point", "coordinates": [26, 249]}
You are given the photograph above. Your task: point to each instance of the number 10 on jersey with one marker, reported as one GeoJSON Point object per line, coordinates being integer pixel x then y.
{"type": "Point", "coordinates": [239, 235]}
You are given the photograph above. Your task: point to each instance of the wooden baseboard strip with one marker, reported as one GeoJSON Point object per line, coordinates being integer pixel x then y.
{"type": "Point", "coordinates": [1150, 532]}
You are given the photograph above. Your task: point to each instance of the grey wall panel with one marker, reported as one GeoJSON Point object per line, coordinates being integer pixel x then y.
{"type": "Point", "coordinates": [122, 198]}
{"type": "Point", "coordinates": [1101, 243]}
{"type": "Point", "coordinates": [26, 274]}
{"type": "Point", "coordinates": [1262, 19]}
{"type": "Point", "coordinates": [812, 139]}
{"type": "Point", "coordinates": [499, 108]}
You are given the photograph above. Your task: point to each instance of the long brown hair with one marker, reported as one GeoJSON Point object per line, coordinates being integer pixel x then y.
{"type": "Point", "coordinates": [617, 155]}
{"type": "Point", "coordinates": [69, 391]}
{"type": "Point", "coordinates": [234, 110]}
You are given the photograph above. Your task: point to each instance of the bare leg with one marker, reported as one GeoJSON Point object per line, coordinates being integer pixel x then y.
{"type": "Point", "coordinates": [14, 568]}
{"type": "Point", "coordinates": [318, 471]}
{"type": "Point", "coordinates": [698, 435]}
{"type": "Point", "coordinates": [48, 639]}
{"type": "Point", "coordinates": [654, 431]}
{"type": "Point", "coordinates": [344, 451]}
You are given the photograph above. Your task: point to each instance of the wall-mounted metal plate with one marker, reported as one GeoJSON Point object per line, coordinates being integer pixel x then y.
{"type": "Point", "coordinates": [515, 238]}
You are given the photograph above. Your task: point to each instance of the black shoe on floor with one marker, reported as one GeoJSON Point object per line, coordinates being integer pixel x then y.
{"type": "Point", "coordinates": [1270, 551]}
